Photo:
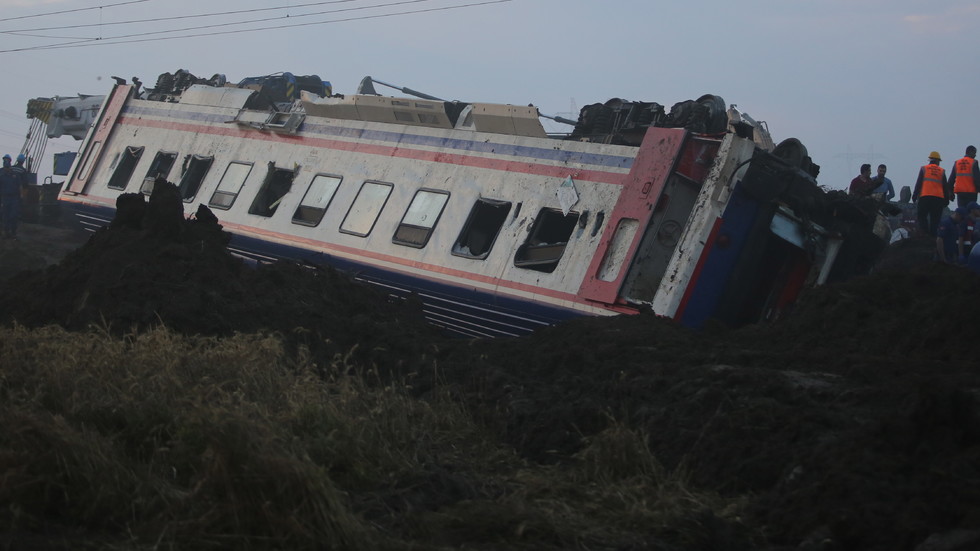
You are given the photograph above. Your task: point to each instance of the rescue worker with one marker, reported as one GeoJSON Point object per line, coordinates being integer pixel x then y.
{"type": "Point", "coordinates": [21, 170]}
{"type": "Point", "coordinates": [965, 177]}
{"type": "Point", "coordinates": [967, 231]}
{"type": "Point", "coordinates": [949, 238]}
{"type": "Point", "coordinates": [973, 256]}
{"type": "Point", "coordinates": [973, 224]}
{"type": "Point", "coordinates": [11, 182]}
{"type": "Point", "coordinates": [931, 194]}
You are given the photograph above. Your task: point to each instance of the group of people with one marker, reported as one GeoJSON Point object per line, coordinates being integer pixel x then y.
{"type": "Point", "coordinates": [880, 187]}
{"type": "Point", "coordinates": [955, 234]}
{"type": "Point", "coordinates": [13, 180]}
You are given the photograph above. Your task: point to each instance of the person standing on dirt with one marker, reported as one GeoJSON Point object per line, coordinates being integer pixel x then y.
{"type": "Point", "coordinates": [972, 223]}
{"type": "Point", "coordinates": [882, 190]}
{"type": "Point", "coordinates": [932, 194]}
{"type": "Point", "coordinates": [861, 184]}
{"type": "Point", "coordinates": [11, 182]}
{"type": "Point", "coordinates": [949, 238]}
{"type": "Point", "coordinates": [965, 177]}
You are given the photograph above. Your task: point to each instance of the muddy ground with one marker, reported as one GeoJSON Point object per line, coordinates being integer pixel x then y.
{"type": "Point", "coordinates": [851, 424]}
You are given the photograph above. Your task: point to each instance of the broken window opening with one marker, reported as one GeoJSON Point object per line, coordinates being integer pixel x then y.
{"type": "Point", "coordinates": [482, 226]}
{"type": "Point", "coordinates": [159, 168]}
{"type": "Point", "coordinates": [547, 240]}
{"type": "Point", "coordinates": [316, 200]}
{"type": "Point", "coordinates": [125, 167]}
{"type": "Point", "coordinates": [196, 168]}
{"type": "Point", "coordinates": [420, 219]}
{"type": "Point", "coordinates": [366, 209]}
{"type": "Point", "coordinates": [230, 185]}
{"type": "Point", "coordinates": [277, 183]}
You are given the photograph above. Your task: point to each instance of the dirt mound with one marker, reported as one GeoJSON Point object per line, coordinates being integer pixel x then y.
{"type": "Point", "coordinates": [844, 435]}
{"type": "Point", "coordinates": [152, 267]}
{"type": "Point", "coordinates": [852, 423]}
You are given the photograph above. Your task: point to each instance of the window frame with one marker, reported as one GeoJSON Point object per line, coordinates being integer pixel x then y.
{"type": "Point", "coordinates": [223, 190]}
{"type": "Point", "coordinates": [271, 184]}
{"type": "Point", "coordinates": [364, 212]}
{"type": "Point", "coordinates": [297, 219]}
{"type": "Point", "coordinates": [188, 171]}
{"type": "Point", "coordinates": [538, 250]}
{"type": "Point", "coordinates": [127, 160]}
{"type": "Point", "coordinates": [150, 178]}
{"type": "Point", "coordinates": [481, 215]}
{"type": "Point", "coordinates": [418, 235]}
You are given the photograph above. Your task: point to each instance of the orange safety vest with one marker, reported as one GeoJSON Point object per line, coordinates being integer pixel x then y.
{"type": "Point", "coordinates": [963, 169]}
{"type": "Point", "coordinates": [933, 178]}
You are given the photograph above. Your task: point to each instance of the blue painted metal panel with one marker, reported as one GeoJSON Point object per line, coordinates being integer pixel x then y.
{"type": "Point", "coordinates": [460, 310]}
{"type": "Point", "coordinates": [737, 222]}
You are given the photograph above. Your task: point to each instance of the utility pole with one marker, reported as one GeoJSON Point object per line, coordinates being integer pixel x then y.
{"type": "Point", "coordinates": [572, 110]}
{"type": "Point", "coordinates": [870, 157]}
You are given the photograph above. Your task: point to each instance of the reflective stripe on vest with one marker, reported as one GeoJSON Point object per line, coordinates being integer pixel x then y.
{"type": "Point", "coordinates": [932, 181]}
{"type": "Point", "coordinates": [964, 176]}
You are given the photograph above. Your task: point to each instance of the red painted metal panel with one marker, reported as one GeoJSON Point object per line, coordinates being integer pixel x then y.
{"type": "Point", "coordinates": [103, 127]}
{"type": "Point", "coordinates": [642, 188]}
{"type": "Point", "coordinates": [697, 158]}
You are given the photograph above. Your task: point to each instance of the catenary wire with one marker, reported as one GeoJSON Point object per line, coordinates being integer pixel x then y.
{"type": "Point", "coordinates": [176, 17]}
{"type": "Point", "coordinates": [114, 41]}
{"type": "Point", "coordinates": [60, 12]}
{"type": "Point", "coordinates": [218, 25]}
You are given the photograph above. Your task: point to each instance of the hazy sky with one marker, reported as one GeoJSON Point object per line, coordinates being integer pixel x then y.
{"type": "Point", "coordinates": [855, 80]}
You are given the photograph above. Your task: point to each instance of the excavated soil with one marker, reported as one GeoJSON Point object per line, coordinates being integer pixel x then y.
{"type": "Point", "coordinates": [853, 423]}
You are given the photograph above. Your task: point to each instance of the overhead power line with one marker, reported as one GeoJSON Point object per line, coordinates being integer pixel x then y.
{"type": "Point", "coordinates": [60, 12]}
{"type": "Point", "coordinates": [118, 40]}
{"type": "Point", "coordinates": [245, 22]}
{"type": "Point", "coordinates": [171, 18]}
{"type": "Point", "coordinates": [105, 41]}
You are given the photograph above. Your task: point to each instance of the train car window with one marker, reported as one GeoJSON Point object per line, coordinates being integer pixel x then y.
{"type": "Point", "coordinates": [367, 206]}
{"type": "Point", "coordinates": [420, 219]}
{"type": "Point", "coordinates": [316, 200]}
{"type": "Point", "coordinates": [546, 242]}
{"type": "Point", "coordinates": [481, 228]}
{"type": "Point", "coordinates": [195, 169]}
{"type": "Point", "coordinates": [274, 188]}
{"type": "Point", "coordinates": [230, 185]}
{"type": "Point", "coordinates": [163, 161]}
{"type": "Point", "coordinates": [125, 165]}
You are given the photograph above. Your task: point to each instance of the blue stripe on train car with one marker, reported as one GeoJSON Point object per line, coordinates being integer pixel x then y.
{"type": "Point", "coordinates": [409, 138]}
{"type": "Point", "coordinates": [459, 310]}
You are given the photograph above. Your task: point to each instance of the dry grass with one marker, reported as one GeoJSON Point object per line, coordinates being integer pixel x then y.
{"type": "Point", "coordinates": [159, 441]}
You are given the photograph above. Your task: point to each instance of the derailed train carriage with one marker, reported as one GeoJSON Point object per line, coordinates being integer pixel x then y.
{"type": "Point", "coordinates": [499, 227]}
